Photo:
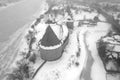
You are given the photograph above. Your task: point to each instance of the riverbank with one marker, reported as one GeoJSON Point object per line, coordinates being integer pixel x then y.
{"type": "Point", "coordinates": [17, 15]}
{"type": "Point", "coordinates": [9, 48]}
{"type": "Point", "coordinates": [6, 3]}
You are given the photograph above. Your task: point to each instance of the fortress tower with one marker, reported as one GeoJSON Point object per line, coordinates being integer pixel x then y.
{"type": "Point", "coordinates": [51, 47]}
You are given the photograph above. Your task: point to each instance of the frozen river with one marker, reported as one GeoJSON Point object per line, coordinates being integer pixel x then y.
{"type": "Point", "coordinates": [16, 16]}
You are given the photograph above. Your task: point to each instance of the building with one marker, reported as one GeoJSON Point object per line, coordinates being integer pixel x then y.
{"type": "Point", "coordinates": [51, 47]}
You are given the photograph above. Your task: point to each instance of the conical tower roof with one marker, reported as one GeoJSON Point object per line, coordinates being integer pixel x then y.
{"type": "Point", "coordinates": [49, 38]}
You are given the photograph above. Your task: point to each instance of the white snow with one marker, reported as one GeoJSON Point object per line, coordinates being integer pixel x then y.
{"type": "Point", "coordinates": [50, 69]}
{"type": "Point", "coordinates": [51, 47]}
{"type": "Point", "coordinates": [64, 68]}
{"type": "Point", "coordinates": [59, 70]}
{"type": "Point", "coordinates": [57, 30]}
{"type": "Point", "coordinates": [84, 15]}
{"type": "Point", "coordinates": [117, 48]}
{"type": "Point", "coordinates": [40, 29]}
{"type": "Point", "coordinates": [65, 32]}
{"type": "Point", "coordinates": [101, 17]}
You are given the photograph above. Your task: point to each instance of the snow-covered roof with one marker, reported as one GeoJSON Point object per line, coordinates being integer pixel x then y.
{"type": "Point", "coordinates": [49, 38]}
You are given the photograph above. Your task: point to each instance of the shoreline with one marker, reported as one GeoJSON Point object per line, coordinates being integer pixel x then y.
{"type": "Point", "coordinates": [10, 4]}
{"type": "Point", "coordinates": [31, 10]}
{"type": "Point", "coordinates": [20, 32]}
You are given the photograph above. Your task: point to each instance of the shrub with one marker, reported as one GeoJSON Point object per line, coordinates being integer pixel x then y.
{"type": "Point", "coordinates": [32, 58]}
{"type": "Point", "coordinates": [22, 72]}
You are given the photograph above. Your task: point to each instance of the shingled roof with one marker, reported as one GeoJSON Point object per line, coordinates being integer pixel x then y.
{"type": "Point", "coordinates": [49, 38]}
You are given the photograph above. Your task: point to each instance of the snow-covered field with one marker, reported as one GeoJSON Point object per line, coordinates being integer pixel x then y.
{"type": "Point", "coordinates": [80, 59]}
{"type": "Point", "coordinates": [61, 69]}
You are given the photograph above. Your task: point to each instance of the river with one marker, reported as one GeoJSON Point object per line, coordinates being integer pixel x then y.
{"type": "Point", "coordinates": [16, 16]}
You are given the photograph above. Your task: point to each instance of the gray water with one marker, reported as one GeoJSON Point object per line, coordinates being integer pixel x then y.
{"type": "Point", "coordinates": [16, 16]}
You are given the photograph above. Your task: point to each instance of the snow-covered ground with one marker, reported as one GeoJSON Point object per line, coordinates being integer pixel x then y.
{"type": "Point", "coordinates": [82, 40]}
{"type": "Point", "coordinates": [64, 68]}
{"type": "Point", "coordinates": [59, 70]}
